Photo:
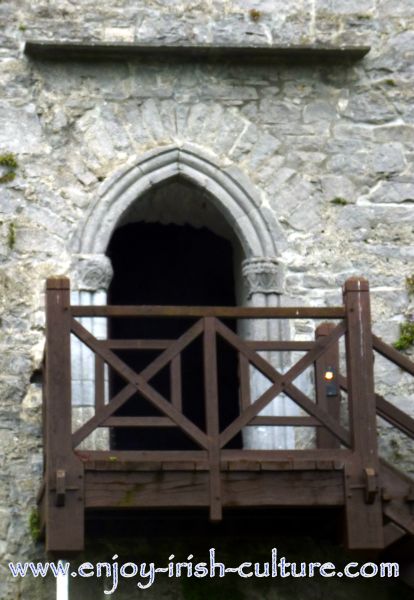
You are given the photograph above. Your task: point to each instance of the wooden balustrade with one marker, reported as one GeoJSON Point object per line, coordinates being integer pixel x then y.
{"type": "Point", "coordinates": [343, 470]}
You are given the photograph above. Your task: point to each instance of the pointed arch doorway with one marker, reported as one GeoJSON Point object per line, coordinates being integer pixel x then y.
{"type": "Point", "coordinates": [226, 203]}
{"type": "Point", "coordinates": [176, 263]}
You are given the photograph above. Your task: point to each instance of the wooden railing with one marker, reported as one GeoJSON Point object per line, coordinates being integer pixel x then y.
{"type": "Point", "coordinates": [354, 446]}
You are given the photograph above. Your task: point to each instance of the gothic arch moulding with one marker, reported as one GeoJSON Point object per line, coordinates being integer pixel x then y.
{"type": "Point", "coordinates": [232, 194]}
{"type": "Point", "coordinates": [241, 206]}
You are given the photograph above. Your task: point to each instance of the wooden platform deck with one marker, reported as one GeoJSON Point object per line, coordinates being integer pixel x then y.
{"type": "Point", "coordinates": [343, 470]}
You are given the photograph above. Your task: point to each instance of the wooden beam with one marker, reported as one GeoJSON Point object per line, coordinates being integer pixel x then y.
{"type": "Point", "coordinates": [392, 534]}
{"type": "Point", "coordinates": [364, 520]}
{"type": "Point", "coordinates": [140, 383]}
{"type": "Point", "coordinates": [192, 489]}
{"type": "Point", "coordinates": [64, 522]}
{"type": "Point", "coordinates": [282, 383]}
{"type": "Point", "coordinates": [138, 422]}
{"type": "Point", "coordinates": [327, 392]}
{"type": "Point", "coordinates": [224, 312]}
{"type": "Point", "coordinates": [389, 412]}
{"type": "Point", "coordinates": [211, 401]}
{"type": "Point", "coordinates": [393, 355]}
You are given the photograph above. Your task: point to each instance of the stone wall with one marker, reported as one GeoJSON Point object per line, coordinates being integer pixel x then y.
{"type": "Point", "coordinates": [328, 150]}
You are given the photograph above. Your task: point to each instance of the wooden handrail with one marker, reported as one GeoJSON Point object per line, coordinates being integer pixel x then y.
{"type": "Point", "coordinates": [67, 475]}
{"type": "Point", "coordinates": [393, 355]}
{"type": "Point", "coordinates": [221, 312]}
{"type": "Point", "coordinates": [387, 411]}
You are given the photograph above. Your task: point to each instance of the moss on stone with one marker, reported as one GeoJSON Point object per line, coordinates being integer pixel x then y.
{"type": "Point", "coordinates": [34, 525]}
{"type": "Point", "coordinates": [409, 283]}
{"type": "Point", "coordinates": [338, 201]}
{"type": "Point", "coordinates": [8, 160]}
{"type": "Point", "coordinates": [255, 14]}
{"type": "Point", "coordinates": [406, 339]}
{"type": "Point", "coordinates": [11, 236]}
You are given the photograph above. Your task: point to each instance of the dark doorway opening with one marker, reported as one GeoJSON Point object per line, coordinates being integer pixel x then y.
{"type": "Point", "coordinates": [178, 265]}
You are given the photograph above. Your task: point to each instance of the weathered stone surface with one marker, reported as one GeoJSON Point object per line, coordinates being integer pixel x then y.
{"type": "Point", "coordinates": [393, 192]}
{"type": "Point", "coordinates": [326, 151]}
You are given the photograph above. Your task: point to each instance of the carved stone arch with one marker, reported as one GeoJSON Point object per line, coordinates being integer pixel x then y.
{"type": "Point", "coordinates": [242, 207]}
{"type": "Point", "coordinates": [231, 192]}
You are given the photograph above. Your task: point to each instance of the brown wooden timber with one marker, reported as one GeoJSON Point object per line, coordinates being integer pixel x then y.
{"type": "Point", "coordinates": [392, 533]}
{"type": "Point", "coordinates": [332, 404]}
{"type": "Point", "coordinates": [99, 383]}
{"type": "Point", "coordinates": [282, 383]}
{"type": "Point", "coordinates": [212, 415]}
{"type": "Point", "coordinates": [395, 416]}
{"type": "Point", "coordinates": [65, 523]}
{"type": "Point", "coordinates": [224, 312]}
{"type": "Point", "coordinates": [393, 355]}
{"type": "Point", "coordinates": [192, 489]}
{"type": "Point", "coordinates": [364, 521]}
{"type": "Point", "coordinates": [286, 421]}
{"type": "Point", "coordinates": [200, 456]}
{"type": "Point", "coordinates": [389, 412]}
{"type": "Point", "coordinates": [138, 422]}
{"type": "Point", "coordinates": [137, 344]}
{"type": "Point", "coordinates": [280, 345]}
{"type": "Point", "coordinates": [244, 382]}
{"type": "Point", "coordinates": [140, 383]}
{"type": "Point", "coordinates": [176, 383]}
{"type": "Point", "coordinates": [213, 477]}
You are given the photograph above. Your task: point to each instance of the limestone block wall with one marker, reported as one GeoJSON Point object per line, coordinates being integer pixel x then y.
{"type": "Point", "coordinates": [328, 151]}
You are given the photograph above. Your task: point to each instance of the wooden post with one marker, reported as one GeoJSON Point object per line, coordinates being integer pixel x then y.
{"type": "Point", "coordinates": [362, 498]}
{"type": "Point", "coordinates": [212, 416]}
{"type": "Point", "coordinates": [64, 472]}
{"type": "Point", "coordinates": [328, 394]}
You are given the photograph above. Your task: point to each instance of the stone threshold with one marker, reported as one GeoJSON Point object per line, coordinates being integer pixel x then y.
{"type": "Point", "coordinates": [68, 50]}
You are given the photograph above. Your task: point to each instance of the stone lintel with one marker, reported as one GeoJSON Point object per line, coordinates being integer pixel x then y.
{"type": "Point", "coordinates": [71, 50]}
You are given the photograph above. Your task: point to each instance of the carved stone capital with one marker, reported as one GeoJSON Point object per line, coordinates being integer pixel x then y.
{"type": "Point", "coordinates": [92, 272]}
{"type": "Point", "coordinates": [262, 275]}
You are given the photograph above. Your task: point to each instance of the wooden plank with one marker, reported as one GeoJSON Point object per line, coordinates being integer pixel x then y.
{"type": "Point", "coordinates": [332, 403]}
{"type": "Point", "coordinates": [389, 412]}
{"type": "Point", "coordinates": [292, 455]}
{"type": "Point", "coordinates": [282, 383]}
{"type": "Point", "coordinates": [138, 422]}
{"type": "Point", "coordinates": [225, 312]}
{"type": "Point", "coordinates": [392, 534]}
{"type": "Point", "coordinates": [187, 464]}
{"type": "Point", "coordinates": [116, 402]}
{"type": "Point", "coordinates": [244, 382]}
{"type": "Point", "coordinates": [140, 489]}
{"type": "Point", "coordinates": [99, 383]}
{"type": "Point", "coordinates": [212, 415]}
{"type": "Point", "coordinates": [395, 416]}
{"type": "Point", "coordinates": [280, 345]}
{"type": "Point", "coordinates": [395, 511]}
{"type": "Point", "coordinates": [139, 381]}
{"type": "Point", "coordinates": [393, 355]}
{"type": "Point", "coordinates": [64, 524]}
{"type": "Point", "coordinates": [176, 383]}
{"type": "Point", "coordinates": [137, 344]}
{"type": "Point", "coordinates": [117, 458]}
{"type": "Point", "coordinates": [313, 409]}
{"type": "Point", "coordinates": [131, 459]}
{"type": "Point", "coordinates": [191, 489]}
{"type": "Point", "coordinates": [364, 521]}
{"type": "Point", "coordinates": [285, 421]}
